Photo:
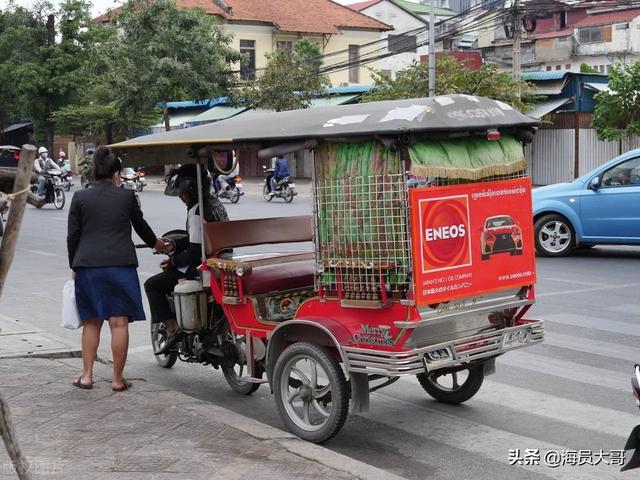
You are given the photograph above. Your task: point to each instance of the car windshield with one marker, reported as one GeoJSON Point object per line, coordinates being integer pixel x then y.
{"type": "Point", "coordinates": [497, 222]}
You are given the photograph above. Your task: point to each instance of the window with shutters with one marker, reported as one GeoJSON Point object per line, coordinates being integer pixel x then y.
{"type": "Point", "coordinates": [354, 69]}
{"type": "Point", "coordinates": [248, 64]}
{"type": "Point", "coordinates": [590, 35]}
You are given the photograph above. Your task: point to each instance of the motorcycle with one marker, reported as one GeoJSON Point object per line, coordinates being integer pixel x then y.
{"type": "Point", "coordinates": [208, 338]}
{"type": "Point", "coordinates": [284, 188]}
{"type": "Point", "coordinates": [129, 178]}
{"type": "Point", "coordinates": [633, 442]}
{"type": "Point", "coordinates": [140, 183]}
{"type": "Point", "coordinates": [229, 188]}
{"type": "Point", "coordinates": [67, 180]}
{"type": "Point", "coordinates": [53, 189]}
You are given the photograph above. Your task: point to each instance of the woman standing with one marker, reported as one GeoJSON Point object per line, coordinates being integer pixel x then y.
{"type": "Point", "coordinates": [103, 258]}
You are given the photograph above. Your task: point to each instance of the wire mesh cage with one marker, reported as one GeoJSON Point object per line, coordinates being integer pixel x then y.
{"type": "Point", "coordinates": [362, 238]}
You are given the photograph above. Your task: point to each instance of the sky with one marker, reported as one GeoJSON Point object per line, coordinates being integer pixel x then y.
{"type": "Point", "coordinates": [101, 6]}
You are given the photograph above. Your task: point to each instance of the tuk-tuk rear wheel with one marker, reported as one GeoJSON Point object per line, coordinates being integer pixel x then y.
{"type": "Point", "coordinates": [315, 406]}
{"type": "Point", "coordinates": [457, 392]}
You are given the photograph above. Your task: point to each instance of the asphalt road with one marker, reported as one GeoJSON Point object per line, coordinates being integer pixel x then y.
{"type": "Point", "coordinates": [570, 393]}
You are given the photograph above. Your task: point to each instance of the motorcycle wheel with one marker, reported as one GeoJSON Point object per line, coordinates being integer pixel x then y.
{"type": "Point", "coordinates": [139, 187]}
{"type": "Point", "coordinates": [265, 193]}
{"type": "Point", "coordinates": [58, 198]}
{"type": "Point", "coordinates": [84, 181]}
{"type": "Point", "coordinates": [288, 196]}
{"type": "Point", "coordinates": [67, 187]}
{"type": "Point", "coordinates": [233, 374]}
{"type": "Point", "coordinates": [437, 385]}
{"type": "Point", "coordinates": [158, 339]}
{"type": "Point", "coordinates": [311, 392]}
{"type": "Point", "coordinates": [1, 227]}
{"type": "Point", "coordinates": [234, 195]}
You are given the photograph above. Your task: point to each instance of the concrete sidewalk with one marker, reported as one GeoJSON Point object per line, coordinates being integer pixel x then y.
{"type": "Point", "coordinates": [148, 432]}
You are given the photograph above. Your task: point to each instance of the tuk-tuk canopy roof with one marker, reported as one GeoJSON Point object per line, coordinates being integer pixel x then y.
{"type": "Point", "coordinates": [441, 114]}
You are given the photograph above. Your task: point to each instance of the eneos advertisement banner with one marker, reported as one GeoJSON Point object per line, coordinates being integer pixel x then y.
{"type": "Point", "coordinates": [471, 239]}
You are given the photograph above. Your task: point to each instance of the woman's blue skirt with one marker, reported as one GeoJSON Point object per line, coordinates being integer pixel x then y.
{"type": "Point", "coordinates": [105, 292]}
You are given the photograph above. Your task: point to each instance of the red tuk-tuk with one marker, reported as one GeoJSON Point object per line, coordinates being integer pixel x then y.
{"type": "Point", "coordinates": [422, 262]}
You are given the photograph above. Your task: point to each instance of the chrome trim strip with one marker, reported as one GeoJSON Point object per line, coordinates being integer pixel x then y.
{"type": "Point", "coordinates": [489, 305]}
{"type": "Point", "coordinates": [462, 351]}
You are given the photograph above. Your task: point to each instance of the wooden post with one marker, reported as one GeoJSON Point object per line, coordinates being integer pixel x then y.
{"type": "Point", "coordinates": [11, 442]}
{"type": "Point", "coordinates": [10, 237]}
{"type": "Point", "coordinates": [23, 175]}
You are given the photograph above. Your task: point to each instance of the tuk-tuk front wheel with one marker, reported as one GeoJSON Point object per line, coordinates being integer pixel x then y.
{"type": "Point", "coordinates": [452, 387]}
{"type": "Point", "coordinates": [311, 392]}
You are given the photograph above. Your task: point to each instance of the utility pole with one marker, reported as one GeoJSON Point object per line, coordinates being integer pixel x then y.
{"type": "Point", "coordinates": [517, 38]}
{"type": "Point", "coordinates": [432, 51]}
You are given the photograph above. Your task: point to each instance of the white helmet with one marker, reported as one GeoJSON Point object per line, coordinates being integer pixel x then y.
{"type": "Point", "coordinates": [42, 150]}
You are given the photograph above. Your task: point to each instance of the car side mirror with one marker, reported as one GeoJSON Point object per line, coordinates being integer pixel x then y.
{"type": "Point", "coordinates": [594, 184]}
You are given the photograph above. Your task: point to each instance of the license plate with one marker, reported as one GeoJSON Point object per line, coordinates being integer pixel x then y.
{"type": "Point", "coordinates": [238, 186]}
{"type": "Point", "coordinates": [292, 185]}
{"type": "Point", "coordinates": [515, 339]}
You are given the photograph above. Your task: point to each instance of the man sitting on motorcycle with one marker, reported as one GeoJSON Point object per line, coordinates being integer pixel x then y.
{"type": "Point", "coordinates": [182, 265]}
{"type": "Point", "coordinates": [41, 166]}
{"type": "Point", "coordinates": [281, 171]}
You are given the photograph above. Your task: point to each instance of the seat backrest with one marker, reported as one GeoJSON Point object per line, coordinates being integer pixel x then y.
{"type": "Point", "coordinates": [257, 231]}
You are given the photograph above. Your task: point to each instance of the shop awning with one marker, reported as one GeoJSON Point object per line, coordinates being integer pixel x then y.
{"type": "Point", "coordinates": [541, 109]}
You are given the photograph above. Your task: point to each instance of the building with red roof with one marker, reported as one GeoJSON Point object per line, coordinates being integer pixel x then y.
{"type": "Point", "coordinates": [259, 27]}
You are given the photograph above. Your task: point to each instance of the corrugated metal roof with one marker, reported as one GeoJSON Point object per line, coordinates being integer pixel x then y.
{"type": "Point", "coordinates": [333, 100]}
{"type": "Point", "coordinates": [552, 75]}
{"type": "Point", "coordinates": [608, 18]}
{"type": "Point", "coordinates": [219, 112]}
{"type": "Point", "coordinates": [541, 109]}
{"type": "Point", "coordinates": [599, 87]}
{"type": "Point", "coordinates": [422, 9]}
{"type": "Point", "coordinates": [560, 33]}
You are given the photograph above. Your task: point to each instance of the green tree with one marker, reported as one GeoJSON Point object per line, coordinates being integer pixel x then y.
{"type": "Point", "coordinates": [451, 77]}
{"type": "Point", "coordinates": [289, 81]}
{"type": "Point", "coordinates": [165, 54]}
{"type": "Point", "coordinates": [617, 113]}
{"type": "Point", "coordinates": [21, 35]}
{"type": "Point", "coordinates": [49, 78]}
{"type": "Point", "coordinates": [584, 68]}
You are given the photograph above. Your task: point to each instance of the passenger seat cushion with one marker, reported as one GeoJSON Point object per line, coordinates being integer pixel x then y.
{"type": "Point", "coordinates": [283, 276]}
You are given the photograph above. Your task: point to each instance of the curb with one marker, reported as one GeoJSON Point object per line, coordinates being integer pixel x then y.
{"type": "Point", "coordinates": [260, 431]}
{"type": "Point", "coordinates": [293, 444]}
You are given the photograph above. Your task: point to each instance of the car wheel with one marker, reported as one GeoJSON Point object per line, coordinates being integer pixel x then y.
{"type": "Point", "coordinates": [554, 236]}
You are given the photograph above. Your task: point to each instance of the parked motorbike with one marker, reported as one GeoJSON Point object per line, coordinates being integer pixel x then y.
{"type": "Point", "coordinates": [633, 442]}
{"type": "Point", "coordinates": [229, 188]}
{"type": "Point", "coordinates": [284, 188]}
{"type": "Point", "coordinates": [53, 189]}
{"type": "Point", "coordinates": [207, 339]}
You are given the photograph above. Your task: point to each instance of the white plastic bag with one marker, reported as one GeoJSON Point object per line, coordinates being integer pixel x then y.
{"type": "Point", "coordinates": [70, 315]}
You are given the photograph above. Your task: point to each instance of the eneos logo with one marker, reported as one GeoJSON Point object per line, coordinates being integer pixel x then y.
{"type": "Point", "coordinates": [444, 233]}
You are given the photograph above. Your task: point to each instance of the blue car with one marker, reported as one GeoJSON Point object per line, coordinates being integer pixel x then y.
{"type": "Point", "coordinates": [599, 208]}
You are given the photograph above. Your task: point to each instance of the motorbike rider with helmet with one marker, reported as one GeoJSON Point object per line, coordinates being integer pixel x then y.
{"type": "Point", "coordinates": [41, 166]}
{"type": "Point", "coordinates": [183, 183]}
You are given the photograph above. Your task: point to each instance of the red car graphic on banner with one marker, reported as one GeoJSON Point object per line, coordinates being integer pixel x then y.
{"type": "Point", "coordinates": [457, 233]}
{"type": "Point", "coordinates": [500, 234]}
